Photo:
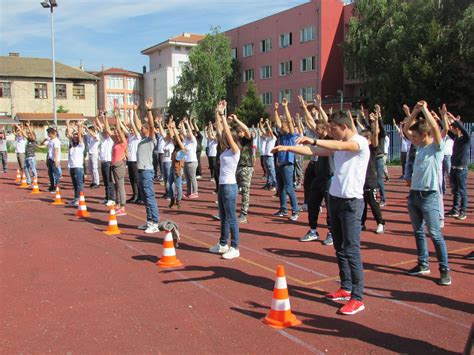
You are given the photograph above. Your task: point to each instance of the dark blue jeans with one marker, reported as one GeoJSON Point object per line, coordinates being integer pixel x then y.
{"type": "Point", "coordinates": [77, 176]}
{"type": "Point", "coordinates": [423, 207]}
{"type": "Point", "coordinates": [345, 221]}
{"type": "Point", "coordinates": [145, 178]}
{"type": "Point", "coordinates": [286, 173]}
{"type": "Point", "coordinates": [457, 179]}
{"type": "Point", "coordinates": [167, 171]}
{"type": "Point", "coordinates": [106, 170]}
{"type": "Point", "coordinates": [227, 198]}
{"type": "Point", "coordinates": [54, 173]}
{"type": "Point", "coordinates": [380, 177]}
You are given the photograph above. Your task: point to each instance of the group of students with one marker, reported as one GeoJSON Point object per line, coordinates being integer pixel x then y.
{"type": "Point", "coordinates": [344, 173]}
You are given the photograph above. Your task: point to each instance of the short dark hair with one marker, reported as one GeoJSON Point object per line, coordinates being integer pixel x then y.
{"type": "Point", "coordinates": [340, 118]}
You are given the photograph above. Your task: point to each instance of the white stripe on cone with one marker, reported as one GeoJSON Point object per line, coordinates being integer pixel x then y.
{"type": "Point", "coordinates": [280, 283]}
{"type": "Point", "coordinates": [82, 208]}
{"type": "Point", "coordinates": [169, 252]}
{"type": "Point", "coordinates": [113, 222]}
{"type": "Point", "coordinates": [281, 305]}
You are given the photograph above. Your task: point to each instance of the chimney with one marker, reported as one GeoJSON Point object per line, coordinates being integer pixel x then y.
{"type": "Point", "coordinates": [13, 54]}
{"type": "Point", "coordinates": [144, 69]}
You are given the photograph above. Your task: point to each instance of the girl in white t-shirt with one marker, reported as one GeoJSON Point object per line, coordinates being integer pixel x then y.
{"type": "Point", "coordinates": [190, 162]}
{"type": "Point", "coordinates": [227, 194]}
{"type": "Point", "coordinates": [76, 159]}
{"type": "Point", "coordinates": [166, 159]}
{"type": "Point", "coordinates": [211, 149]}
{"type": "Point", "coordinates": [20, 148]}
{"type": "Point", "coordinates": [132, 143]}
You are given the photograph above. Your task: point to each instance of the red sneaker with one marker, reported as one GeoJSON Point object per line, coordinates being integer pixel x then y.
{"type": "Point", "coordinates": [121, 212]}
{"type": "Point", "coordinates": [352, 307]}
{"type": "Point", "coordinates": [339, 295]}
{"type": "Point", "coordinates": [193, 196]}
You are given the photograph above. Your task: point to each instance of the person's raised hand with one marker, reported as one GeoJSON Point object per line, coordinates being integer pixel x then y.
{"type": "Point", "coordinates": [149, 103]}
{"type": "Point", "coordinates": [276, 105]}
{"type": "Point", "coordinates": [284, 102]}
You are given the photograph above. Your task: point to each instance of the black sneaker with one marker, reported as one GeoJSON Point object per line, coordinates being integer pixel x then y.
{"type": "Point", "coordinates": [461, 216]}
{"type": "Point", "coordinates": [445, 277]}
{"type": "Point", "coordinates": [171, 204]}
{"type": "Point", "coordinates": [469, 256]}
{"type": "Point", "coordinates": [294, 216]}
{"type": "Point", "coordinates": [452, 213]}
{"type": "Point", "coordinates": [281, 214]}
{"type": "Point", "coordinates": [242, 218]}
{"type": "Point", "coordinates": [419, 270]}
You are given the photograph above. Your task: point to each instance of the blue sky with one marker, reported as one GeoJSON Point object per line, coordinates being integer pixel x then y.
{"type": "Point", "coordinates": [113, 32]}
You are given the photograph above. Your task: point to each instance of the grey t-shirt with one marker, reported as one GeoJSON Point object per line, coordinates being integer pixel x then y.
{"type": "Point", "coordinates": [145, 153]}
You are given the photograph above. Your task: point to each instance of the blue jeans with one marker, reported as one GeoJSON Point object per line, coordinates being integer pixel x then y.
{"type": "Point", "coordinates": [457, 179]}
{"type": "Point", "coordinates": [145, 178]}
{"type": "Point", "coordinates": [227, 198]}
{"type": "Point", "coordinates": [446, 170]}
{"type": "Point", "coordinates": [270, 167]}
{"type": "Point", "coordinates": [166, 171]}
{"type": "Point", "coordinates": [380, 177]}
{"type": "Point", "coordinates": [346, 215]}
{"type": "Point", "coordinates": [177, 188]}
{"type": "Point", "coordinates": [77, 176]}
{"type": "Point", "coordinates": [409, 169]}
{"type": "Point", "coordinates": [423, 208]}
{"type": "Point", "coordinates": [286, 173]}
{"type": "Point", "coordinates": [30, 164]}
{"type": "Point", "coordinates": [54, 173]}
{"type": "Point", "coordinates": [105, 167]}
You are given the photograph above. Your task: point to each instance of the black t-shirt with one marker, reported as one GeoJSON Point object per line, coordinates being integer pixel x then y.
{"type": "Point", "coordinates": [371, 175]}
{"type": "Point", "coordinates": [323, 170]}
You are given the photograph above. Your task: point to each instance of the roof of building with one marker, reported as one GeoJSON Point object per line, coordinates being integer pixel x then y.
{"type": "Point", "coordinates": [40, 68]}
{"type": "Point", "coordinates": [185, 39]}
{"type": "Point", "coordinates": [117, 71]}
{"type": "Point", "coordinates": [32, 116]}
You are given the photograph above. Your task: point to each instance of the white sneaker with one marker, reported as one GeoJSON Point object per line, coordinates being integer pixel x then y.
{"type": "Point", "coordinates": [152, 228]}
{"type": "Point", "coordinates": [110, 203]}
{"type": "Point", "coordinates": [145, 226]}
{"type": "Point", "coordinates": [219, 249]}
{"type": "Point", "coordinates": [231, 254]}
{"type": "Point", "coordinates": [380, 229]}
{"type": "Point", "coordinates": [304, 207]}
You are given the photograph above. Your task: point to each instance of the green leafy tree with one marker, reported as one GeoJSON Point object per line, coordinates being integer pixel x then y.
{"type": "Point", "coordinates": [232, 83]}
{"type": "Point", "coordinates": [61, 109]}
{"type": "Point", "coordinates": [204, 77]}
{"type": "Point", "coordinates": [408, 50]}
{"type": "Point", "coordinates": [251, 109]}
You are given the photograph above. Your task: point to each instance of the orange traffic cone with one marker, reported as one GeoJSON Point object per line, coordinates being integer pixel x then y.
{"type": "Point", "coordinates": [280, 315]}
{"type": "Point", "coordinates": [82, 208]}
{"type": "Point", "coordinates": [18, 176]}
{"type": "Point", "coordinates": [112, 228]}
{"type": "Point", "coordinates": [23, 185]}
{"type": "Point", "coordinates": [35, 186]}
{"type": "Point", "coordinates": [168, 258]}
{"type": "Point", "coordinates": [57, 198]}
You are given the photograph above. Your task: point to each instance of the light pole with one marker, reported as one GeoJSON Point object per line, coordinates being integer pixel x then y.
{"type": "Point", "coordinates": [340, 93]}
{"type": "Point", "coordinates": [51, 4]}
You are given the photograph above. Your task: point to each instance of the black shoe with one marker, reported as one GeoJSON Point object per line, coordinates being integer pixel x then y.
{"type": "Point", "coordinates": [445, 277]}
{"type": "Point", "coordinates": [242, 218]}
{"type": "Point", "coordinates": [469, 256]}
{"type": "Point", "coordinates": [419, 270]}
{"type": "Point", "coordinates": [132, 200]}
{"type": "Point", "coordinates": [171, 204]}
{"type": "Point", "coordinates": [140, 202]}
{"type": "Point", "coordinates": [461, 216]}
{"type": "Point", "coordinates": [452, 213]}
{"type": "Point", "coordinates": [281, 214]}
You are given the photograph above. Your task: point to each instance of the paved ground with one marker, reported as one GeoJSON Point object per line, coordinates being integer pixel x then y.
{"type": "Point", "coordinates": [66, 287]}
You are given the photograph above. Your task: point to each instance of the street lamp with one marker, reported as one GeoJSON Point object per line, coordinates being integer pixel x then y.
{"type": "Point", "coordinates": [51, 4]}
{"type": "Point", "coordinates": [340, 93]}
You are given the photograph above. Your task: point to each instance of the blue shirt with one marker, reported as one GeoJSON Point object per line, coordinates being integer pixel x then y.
{"type": "Point", "coordinates": [427, 167]}
{"type": "Point", "coordinates": [287, 157]}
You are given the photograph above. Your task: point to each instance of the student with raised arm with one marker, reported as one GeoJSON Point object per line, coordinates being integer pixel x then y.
{"type": "Point", "coordinates": [119, 152]}
{"type": "Point", "coordinates": [423, 201]}
{"type": "Point", "coordinates": [177, 157]}
{"type": "Point", "coordinates": [20, 148]}
{"type": "Point", "coordinates": [93, 143]}
{"type": "Point", "coordinates": [211, 150]}
{"type": "Point", "coordinates": [54, 158]}
{"type": "Point", "coordinates": [3, 149]}
{"type": "Point", "coordinates": [380, 163]}
{"type": "Point", "coordinates": [30, 156]}
{"type": "Point", "coordinates": [227, 195]}
{"type": "Point", "coordinates": [166, 161]}
{"type": "Point", "coordinates": [105, 156]}
{"type": "Point", "coordinates": [132, 144]}
{"type": "Point", "coordinates": [76, 159]}
{"type": "Point", "coordinates": [350, 152]}
{"type": "Point", "coordinates": [190, 162]}
{"type": "Point", "coordinates": [199, 137]}
{"type": "Point", "coordinates": [286, 162]}
{"type": "Point", "coordinates": [268, 143]}
{"type": "Point", "coordinates": [146, 172]}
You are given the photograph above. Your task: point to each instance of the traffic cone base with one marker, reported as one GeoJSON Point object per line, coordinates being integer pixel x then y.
{"type": "Point", "coordinates": [23, 185]}
{"type": "Point", "coordinates": [112, 228]}
{"type": "Point", "coordinates": [280, 315]}
{"type": "Point", "coordinates": [168, 258]}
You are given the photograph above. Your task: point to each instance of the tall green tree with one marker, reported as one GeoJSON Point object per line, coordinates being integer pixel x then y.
{"type": "Point", "coordinates": [204, 77]}
{"type": "Point", "coordinates": [251, 109]}
{"type": "Point", "coordinates": [408, 50]}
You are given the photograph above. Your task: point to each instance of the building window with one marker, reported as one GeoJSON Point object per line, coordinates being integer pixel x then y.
{"type": "Point", "coordinates": [41, 91]}
{"type": "Point", "coordinates": [181, 64]}
{"type": "Point", "coordinates": [266, 45]}
{"type": "Point", "coordinates": [307, 34]}
{"type": "Point", "coordinates": [5, 89]}
{"type": "Point", "coordinates": [114, 100]}
{"type": "Point", "coordinates": [132, 98]}
{"type": "Point", "coordinates": [286, 40]}
{"type": "Point", "coordinates": [248, 75]}
{"type": "Point", "coordinates": [114, 82]}
{"type": "Point", "coordinates": [307, 93]}
{"type": "Point", "coordinates": [267, 98]}
{"type": "Point", "coordinates": [233, 53]}
{"type": "Point", "coordinates": [286, 68]}
{"type": "Point", "coordinates": [266, 72]}
{"type": "Point", "coordinates": [285, 94]}
{"type": "Point", "coordinates": [178, 49]}
{"type": "Point", "coordinates": [307, 64]}
{"type": "Point", "coordinates": [248, 50]}
{"type": "Point", "coordinates": [61, 92]}
{"type": "Point", "coordinates": [132, 84]}
{"type": "Point", "coordinates": [79, 92]}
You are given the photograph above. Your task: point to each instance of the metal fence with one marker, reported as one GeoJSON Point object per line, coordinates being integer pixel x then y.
{"type": "Point", "coordinates": [396, 141]}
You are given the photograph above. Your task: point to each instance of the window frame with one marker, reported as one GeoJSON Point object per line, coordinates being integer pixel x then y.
{"type": "Point", "coordinates": [282, 41]}
{"type": "Point", "coordinates": [303, 33]}
{"type": "Point", "coordinates": [284, 65]}
{"type": "Point", "coordinates": [3, 85]}
{"type": "Point", "coordinates": [247, 78]}
{"type": "Point", "coordinates": [75, 87]}
{"type": "Point", "coordinates": [248, 45]}
{"type": "Point", "coordinates": [304, 63]}
{"type": "Point", "coordinates": [38, 90]}
{"type": "Point", "coordinates": [266, 45]}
